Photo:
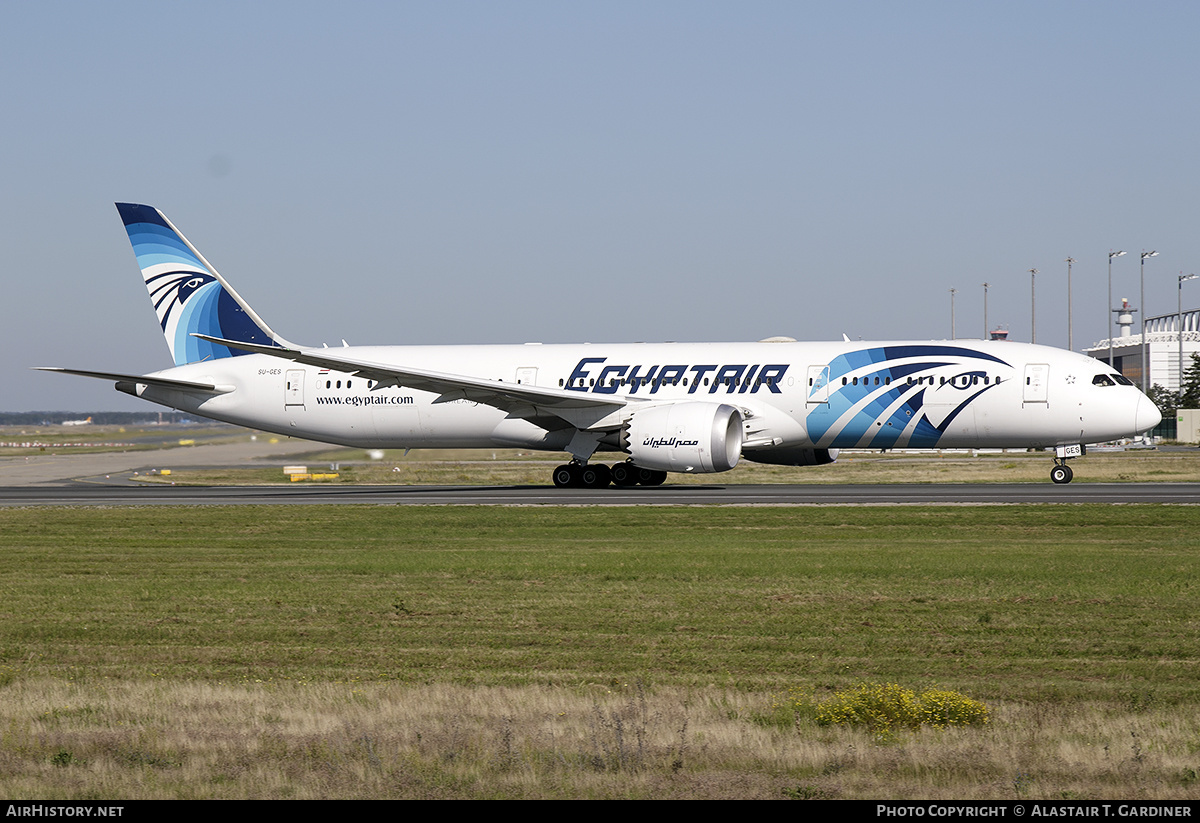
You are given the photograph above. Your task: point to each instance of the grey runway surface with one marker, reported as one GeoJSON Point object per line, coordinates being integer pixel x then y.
{"type": "Point", "coordinates": [101, 494]}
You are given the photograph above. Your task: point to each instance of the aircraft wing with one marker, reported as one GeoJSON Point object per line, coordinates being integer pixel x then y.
{"type": "Point", "coordinates": [147, 380]}
{"type": "Point", "coordinates": [577, 408]}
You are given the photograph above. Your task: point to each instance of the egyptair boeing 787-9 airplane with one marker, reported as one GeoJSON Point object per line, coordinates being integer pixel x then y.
{"type": "Point", "coordinates": [668, 407]}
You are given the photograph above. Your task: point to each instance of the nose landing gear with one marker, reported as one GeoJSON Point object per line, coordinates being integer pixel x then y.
{"type": "Point", "coordinates": [1061, 473]}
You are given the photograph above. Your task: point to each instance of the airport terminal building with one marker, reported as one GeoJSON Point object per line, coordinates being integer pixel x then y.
{"type": "Point", "coordinates": [1163, 341]}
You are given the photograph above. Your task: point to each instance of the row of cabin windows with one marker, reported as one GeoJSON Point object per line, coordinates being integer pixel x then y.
{"type": "Point", "coordinates": [654, 381]}
{"type": "Point", "coordinates": [1099, 380]}
{"type": "Point", "coordinates": [964, 380]}
{"type": "Point", "coordinates": [330, 384]}
{"type": "Point", "coordinates": [969, 379]}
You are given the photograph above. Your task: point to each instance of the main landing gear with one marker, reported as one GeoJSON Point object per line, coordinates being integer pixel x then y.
{"type": "Point", "coordinates": [577, 475]}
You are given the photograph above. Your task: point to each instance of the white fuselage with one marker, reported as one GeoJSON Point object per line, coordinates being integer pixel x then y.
{"type": "Point", "coordinates": [884, 395]}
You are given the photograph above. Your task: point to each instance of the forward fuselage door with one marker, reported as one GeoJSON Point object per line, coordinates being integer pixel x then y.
{"type": "Point", "coordinates": [1037, 383]}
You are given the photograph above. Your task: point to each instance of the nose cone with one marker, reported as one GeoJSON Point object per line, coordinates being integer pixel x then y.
{"type": "Point", "coordinates": [1147, 415]}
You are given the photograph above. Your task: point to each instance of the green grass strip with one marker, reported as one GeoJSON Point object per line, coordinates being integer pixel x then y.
{"type": "Point", "coordinates": [1035, 602]}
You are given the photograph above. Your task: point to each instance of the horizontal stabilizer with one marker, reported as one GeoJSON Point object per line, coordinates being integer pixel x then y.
{"type": "Point", "coordinates": [146, 380]}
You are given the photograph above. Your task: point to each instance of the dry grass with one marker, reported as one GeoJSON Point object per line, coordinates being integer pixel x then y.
{"type": "Point", "coordinates": [516, 467]}
{"type": "Point", "coordinates": [509, 468]}
{"type": "Point", "coordinates": [199, 740]}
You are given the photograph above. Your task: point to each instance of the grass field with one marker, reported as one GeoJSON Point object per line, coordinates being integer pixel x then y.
{"type": "Point", "coordinates": [658, 652]}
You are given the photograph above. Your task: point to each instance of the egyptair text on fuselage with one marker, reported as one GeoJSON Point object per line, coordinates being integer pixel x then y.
{"type": "Point", "coordinates": [592, 375]}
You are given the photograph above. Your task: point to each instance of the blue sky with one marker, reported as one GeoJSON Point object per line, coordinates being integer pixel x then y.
{"type": "Point", "coordinates": [484, 172]}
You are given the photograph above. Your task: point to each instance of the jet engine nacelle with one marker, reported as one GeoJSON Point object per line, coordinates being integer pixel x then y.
{"type": "Point", "coordinates": [685, 437]}
{"type": "Point", "coordinates": [793, 456]}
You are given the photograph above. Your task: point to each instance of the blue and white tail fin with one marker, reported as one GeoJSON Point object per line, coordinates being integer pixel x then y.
{"type": "Point", "coordinates": [188, 294]}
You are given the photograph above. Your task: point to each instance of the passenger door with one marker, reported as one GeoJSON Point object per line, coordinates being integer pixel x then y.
{"type": "Point", "coordinates": [1037, 383]}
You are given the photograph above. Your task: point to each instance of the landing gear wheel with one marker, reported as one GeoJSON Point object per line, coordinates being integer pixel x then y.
{"type": "Point", "coordinates": [594, 477]}
{"type": "Point", "coordinates": [651, 477]}
{"type": "Point", "coordinates": [624, 474]}
{"type": "Point", "coordinates": [1061, 473]}
{"type": "Point", "coordinates": [566, 476]}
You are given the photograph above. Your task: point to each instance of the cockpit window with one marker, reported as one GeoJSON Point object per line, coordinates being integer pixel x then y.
{"type": "Point", "coordinates": [1122, 380]}
{"type": "Point", "coordinates": [1102, 380]}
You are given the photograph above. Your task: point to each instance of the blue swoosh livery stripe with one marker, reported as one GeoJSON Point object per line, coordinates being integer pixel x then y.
{"type": "Point", "coordinates": [856, 414]}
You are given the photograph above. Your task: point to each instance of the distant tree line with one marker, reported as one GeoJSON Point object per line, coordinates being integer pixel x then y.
{"type": "Point", "coordinates": [1188, 397]}
{"type": "Point", "coordinates": [54, 418]}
